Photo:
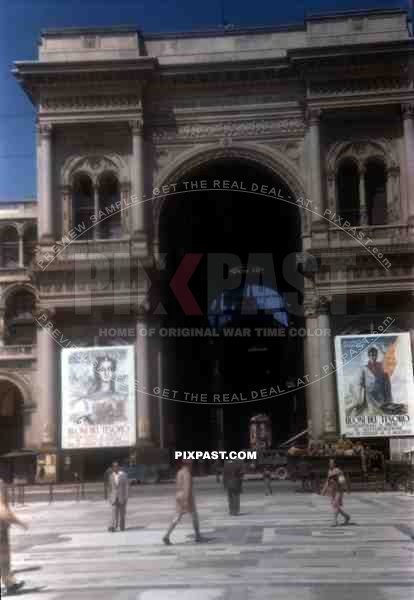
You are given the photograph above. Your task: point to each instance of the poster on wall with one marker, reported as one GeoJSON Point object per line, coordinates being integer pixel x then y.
{"type": "Point", "coordinates": [375, 385]}
{"type": "Point", "coordinates": [98, 397]}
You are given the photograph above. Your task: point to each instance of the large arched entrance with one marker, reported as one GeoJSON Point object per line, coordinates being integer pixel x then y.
{"type": "Point", "coordinates": [11, 417]}
{"type": "Point", "coordinates": [264, 233]}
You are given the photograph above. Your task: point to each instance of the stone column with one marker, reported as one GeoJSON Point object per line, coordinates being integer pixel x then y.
{"type": "Point", "coordinates": [126, 215]}
{"type": "Point", "coordinates": [47, 379]}
{"type": "Point", "coordinates": [315, 170]}
{"type": "Point", "coordinates": [66, 198]}
{"type": "Point", "coordinates": [160, 384]}
{"type": "Point", "coordinates": [46, 233]}
{"type": "Point", "coordinates": [408, 123]}
{"type": "Point", "coordinates": [395, 212]}
{"type": "Point", "coordinates": [20, 232]}
{"type": "Point", "coordinates": [144, 431]}
{"type": "Point", "coordinates": [137, 176]}
{"type": "Point", "coordinates": [363, 209]}
{"type": "Point", "coordinates": [3, 327]}
{"type": "Point", "coordinates": [95, 229]}
{"type": "Point", "coordinates": [327, 369]}
{"type": "Point", "coordinates": [314, 407]}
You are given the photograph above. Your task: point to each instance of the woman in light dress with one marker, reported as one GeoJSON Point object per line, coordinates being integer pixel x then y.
{"type": "Point", "coordinates": [335, 486]}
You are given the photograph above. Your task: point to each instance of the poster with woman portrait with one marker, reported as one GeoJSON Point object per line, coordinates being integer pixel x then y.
{"type": "Point", "coordinates": [98, 397]}
{"type": "Point", "coordinates": [375, 385]}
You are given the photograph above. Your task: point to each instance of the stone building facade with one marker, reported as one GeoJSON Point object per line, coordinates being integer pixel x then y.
{"type": "Point", "coordinates": [325, 109]}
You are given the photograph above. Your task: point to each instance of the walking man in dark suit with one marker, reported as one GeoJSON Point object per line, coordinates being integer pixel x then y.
{"type": "Point", "coordinates": [118, 497]}
{"type": "Point", "coordinates": [232, 480]}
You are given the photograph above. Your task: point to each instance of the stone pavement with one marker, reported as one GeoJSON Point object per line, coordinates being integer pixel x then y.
{"type": "Point", "coordinates": [280, 547]}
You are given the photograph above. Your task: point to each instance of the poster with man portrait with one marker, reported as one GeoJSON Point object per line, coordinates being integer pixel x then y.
{"type": "Point", "coordinates": [375, 385]}
{"type": "Point", "coordinates": [98, 397]}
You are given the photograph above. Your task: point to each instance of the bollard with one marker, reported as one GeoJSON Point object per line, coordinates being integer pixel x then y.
{"type": "Point", "coordinates": [82, 490]}
{"type": "Point", "coordinates": [50, 493]}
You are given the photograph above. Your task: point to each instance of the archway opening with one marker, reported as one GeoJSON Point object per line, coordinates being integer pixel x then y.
{"type": "Point", "coordinates": [11, 417]}
{"type": "Point", "coordinates": [244, 283]}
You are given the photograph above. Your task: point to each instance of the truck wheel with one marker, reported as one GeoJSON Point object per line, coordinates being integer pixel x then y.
{"type": "Point", "coordinates": [281, 473]}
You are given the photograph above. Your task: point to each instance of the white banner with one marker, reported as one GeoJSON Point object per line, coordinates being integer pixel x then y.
{"type": "Point", "coordinates": [98, 397]}
{"type": "Point", "coordinates": [375, 385]}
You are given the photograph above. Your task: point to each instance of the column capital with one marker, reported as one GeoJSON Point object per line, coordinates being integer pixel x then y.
{"type": "Point", "coordinates": [317, 305]}
{"type": "Point", "coordinates": [141, 312]}
{"type": "Point", "coordinates": [43, 313]}
{"type": "Point", "coordinates": [137, 126]}
{"type": "Point", "coordinates": [125, 187]}
{"type": "Point", "coordinates": [20, 229]}
{"type": "Point", "coordinates": [313, 116]}
{"type": "Point", "coordinates": [330, 175]}
{"type": "Point", "coordinates": [44, 130]}
{"type": "Point", "coordinates": [393, 170]}
{"type": "Point", "coordinates": [407, 111]}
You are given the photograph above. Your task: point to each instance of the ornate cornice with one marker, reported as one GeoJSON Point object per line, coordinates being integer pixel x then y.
{"type": "Point", "coordinates": [349, 87]}
{"type": "Point", "coordinates": [241, 129]}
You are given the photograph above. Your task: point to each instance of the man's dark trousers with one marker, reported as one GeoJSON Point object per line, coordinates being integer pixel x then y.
{"type": "Point", "coordinates": [233, 495]}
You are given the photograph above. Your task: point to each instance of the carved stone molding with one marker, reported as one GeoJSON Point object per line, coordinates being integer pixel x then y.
{"type": "Point", "coordinates": [96, 166]}
{"type": "Point", "coordinates": [361, 150]}
{"type": "Point", "coordinates": [293, 150]}
{"type": "Point", "coordinates": [229, 129]}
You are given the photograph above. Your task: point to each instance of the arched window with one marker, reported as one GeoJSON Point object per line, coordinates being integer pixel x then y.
{"type": "Point", "coordinates": [109, 194]}
{"type": "Point", "coordinates": [348, 191]}
{"type": "Point", "coordinates": [9, 247]}
{"type": "Point", "coordinates": [29, 244]}
{"type": "Point", "coordinates": [19, 318]}
{"type": "Point", "coordinates": [375, 192]}
{"type": "Point", "coordinates": [83, 205]}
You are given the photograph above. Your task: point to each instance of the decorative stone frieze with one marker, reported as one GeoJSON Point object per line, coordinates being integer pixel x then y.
{"type": "Point", "coordinates": [84, 102]}
{"type": "Point", "coordinates": [255, 128]}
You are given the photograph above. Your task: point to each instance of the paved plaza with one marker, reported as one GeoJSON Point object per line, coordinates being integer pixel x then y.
{"type": "Point", "coordinates": [280, 547]}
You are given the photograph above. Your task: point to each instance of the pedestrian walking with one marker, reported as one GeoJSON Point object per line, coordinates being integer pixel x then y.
{"type": "Point", "coordinates": [267, 480]}
{"type": "Point", "coordinates": [118, 497]}
{"type": "Point", "coordinates": [232, 481]}
{"type": "Point", "coordinates": [7, 518]}
{"type": "Point", "coordinates": [185, 502]}
{"type": "Point", "coordinates": [335, 487]}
